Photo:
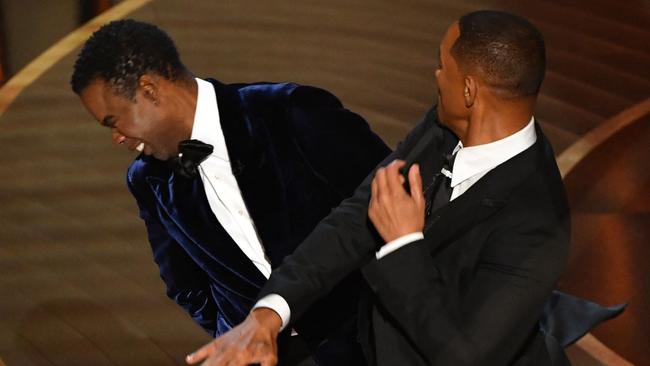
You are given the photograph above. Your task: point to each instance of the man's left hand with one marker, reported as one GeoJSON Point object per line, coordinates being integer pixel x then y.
{"type": "Point", "coordinates": [392, 210]}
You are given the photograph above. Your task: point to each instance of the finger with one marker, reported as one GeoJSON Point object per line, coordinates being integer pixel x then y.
{"type": "Point", "coordinates": [239, 361]}
{"type": "Point", "coordinates": [226, 359]}
{"type": "Point", "coordinates": [382, 185]}
{"type": "Point", "coordinates": [415, 181]}
{"type": "Point", "coordinates": [396, 164]}
{"type": "Point", "coordinates": [393, 176]}
{"type": "Point", "coordinates": [231, 357]}
{"type": "Point", "coordinates": [373, 198]}
{"type": "Point", "coordinates": [215, 361]}
{"type": "Point", "coordinates": [200, 354]}
{"type": "Point", "coordinates": [210, 362]}
{"type": "Point", "coordinates": [373, 189]}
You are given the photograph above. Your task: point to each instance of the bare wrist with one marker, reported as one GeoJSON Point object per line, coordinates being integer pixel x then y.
{"type": "Point", "coordinates": [267, 318]}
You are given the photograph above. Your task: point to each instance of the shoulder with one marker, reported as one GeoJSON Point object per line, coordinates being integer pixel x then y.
{"type": "Point", "coordinates": [541, 195]}
{"type": "Point", "coordinates": [264, 90]}
{"type": "Point", "coordinates": [271, 96]}
{"type": "Point", "coordinates": [313, 97]}
{"type": "Point", "coordinates": [290, 94]}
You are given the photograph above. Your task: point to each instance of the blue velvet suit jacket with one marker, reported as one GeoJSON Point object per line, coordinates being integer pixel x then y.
{"type": "Point", "coordinates": [296, 152]}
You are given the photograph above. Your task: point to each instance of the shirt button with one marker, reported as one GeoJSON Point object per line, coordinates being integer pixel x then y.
{"type": "Point", "coordinates": [241, 212]}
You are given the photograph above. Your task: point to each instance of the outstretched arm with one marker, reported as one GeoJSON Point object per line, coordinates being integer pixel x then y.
{"type": "Point", "coordinates": [342, 242]}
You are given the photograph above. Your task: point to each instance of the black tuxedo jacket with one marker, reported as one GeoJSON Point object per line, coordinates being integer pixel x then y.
{"type": "Point", "coordinates": [296, 152]}
{"type": "Point", "coordinates": [472, 291]}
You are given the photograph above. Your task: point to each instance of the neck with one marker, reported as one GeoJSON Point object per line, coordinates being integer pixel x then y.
{"type": "Point", "coordinates": [498, 121]}
{"type": "Point", "coordinates": [184, 106]}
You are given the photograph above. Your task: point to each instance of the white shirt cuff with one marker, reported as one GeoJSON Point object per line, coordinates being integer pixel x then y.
{"type": "Point", "coordinates": [278, 304]}
{"type": "Point", "coordinates": [398, 243]}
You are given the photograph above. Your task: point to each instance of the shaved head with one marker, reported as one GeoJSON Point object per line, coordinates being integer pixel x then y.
{"type": "Point", "coordinates": [506, 51]}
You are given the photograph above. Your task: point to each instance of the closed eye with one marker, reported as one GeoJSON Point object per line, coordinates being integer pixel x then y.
{"type": "Point", "coordinates": [108, 121]}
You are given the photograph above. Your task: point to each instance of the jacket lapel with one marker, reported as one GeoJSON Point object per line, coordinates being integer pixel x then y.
{"type": "Point", "coordinates": [255, 166]}
{"type": "Point", "coordinates": [186, 205]}
{"type": "Point", "coordinates": [461, 214]}
{"type": "Point", "coordinates": [484, 198]}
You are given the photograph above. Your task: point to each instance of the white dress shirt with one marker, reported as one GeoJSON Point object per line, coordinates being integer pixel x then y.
{"type": "Point", "coordinates": [470, 165]}
{"type": "Point", "coordinates": [220, 185]}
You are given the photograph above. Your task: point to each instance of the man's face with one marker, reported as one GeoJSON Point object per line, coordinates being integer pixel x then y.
{"type": "Point", "coordinates": [132, 123]}
{"type": "Point", "coordinates": [451, 83]}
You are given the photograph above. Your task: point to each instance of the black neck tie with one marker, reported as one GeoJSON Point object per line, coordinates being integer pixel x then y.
{"type": "Point", "coordinates": [438, 193]}
{"type": "Point", "coordinates": [191, 153]}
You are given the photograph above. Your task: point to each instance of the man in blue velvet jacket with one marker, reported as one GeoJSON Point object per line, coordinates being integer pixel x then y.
{"type": "Point", "coordinates": [271, 170]}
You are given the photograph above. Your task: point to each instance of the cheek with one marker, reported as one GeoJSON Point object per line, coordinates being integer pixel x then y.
{"type": "Point", "coordinates": [142, 118]}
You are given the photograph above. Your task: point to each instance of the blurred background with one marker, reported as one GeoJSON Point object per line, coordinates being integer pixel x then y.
{"type": "Point", "coordinates": [78, 285]}
{"type": "Point", "coordinates": [28, 27]}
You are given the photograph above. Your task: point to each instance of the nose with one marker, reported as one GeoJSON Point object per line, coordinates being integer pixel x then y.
{"type": "Point", "coordinates": [117, 137]}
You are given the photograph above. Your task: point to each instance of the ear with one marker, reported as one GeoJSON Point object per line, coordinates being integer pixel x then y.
{"type": "Point", "coordinates": [470, 90]}
{"type": "Point", "coordinates": [148, 85]}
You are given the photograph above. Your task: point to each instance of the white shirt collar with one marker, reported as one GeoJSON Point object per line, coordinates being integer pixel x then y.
{"type": "Point", "coordinates": [207, 124]}
{"type": "Point", "coordinates": [477, 159]}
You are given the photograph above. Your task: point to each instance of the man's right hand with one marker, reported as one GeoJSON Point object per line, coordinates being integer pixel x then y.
{"type": "Point", "coordinates": [252, 341]}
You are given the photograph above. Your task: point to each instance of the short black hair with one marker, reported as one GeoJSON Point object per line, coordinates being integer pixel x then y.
{"type": "Point", "coordinates": [121, 51]}
{"type": "Point", "coordinates": [506, 50]}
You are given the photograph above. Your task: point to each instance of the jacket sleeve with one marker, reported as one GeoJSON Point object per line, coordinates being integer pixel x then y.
{"type": "Point", "coordinates": [186, 283]}
{"type": "Point", "coordinates": [487, 322]}
{"type": "Point", "coordinates": [340, 243]}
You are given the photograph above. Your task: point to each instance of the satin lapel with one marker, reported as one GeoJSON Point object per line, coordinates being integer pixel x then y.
{"type": "Point", "coordinates": [459, 215]}
{"type": "Point", "coordinates": [186, 205]}
{"type": "Point", "coordinates": [254, 164]}
{"type": "Point", "coordinates": [486, 196]}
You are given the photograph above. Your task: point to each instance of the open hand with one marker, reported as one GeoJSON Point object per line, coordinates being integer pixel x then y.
{"type": "Point", "coordinates": [392, 210]}
{"type": "Point", "coordinates": [252, 341]}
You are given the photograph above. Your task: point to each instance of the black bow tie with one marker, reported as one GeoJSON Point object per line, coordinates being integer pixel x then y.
{"type": "Point", "coordinates": [191, 153]}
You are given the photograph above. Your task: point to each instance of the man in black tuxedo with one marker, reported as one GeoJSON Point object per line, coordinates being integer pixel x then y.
{"type": "Point", "coordinates": [223, 209]}
{"type": "Point", "coordinates": [459, 265]}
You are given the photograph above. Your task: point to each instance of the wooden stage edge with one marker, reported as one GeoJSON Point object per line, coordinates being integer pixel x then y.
{"type": "Point", "coordinates": [570, 157]}
{"type": "Point", "coordinates": [567, 160]}
{"type": "Point", "coordinates": [62, 48]}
